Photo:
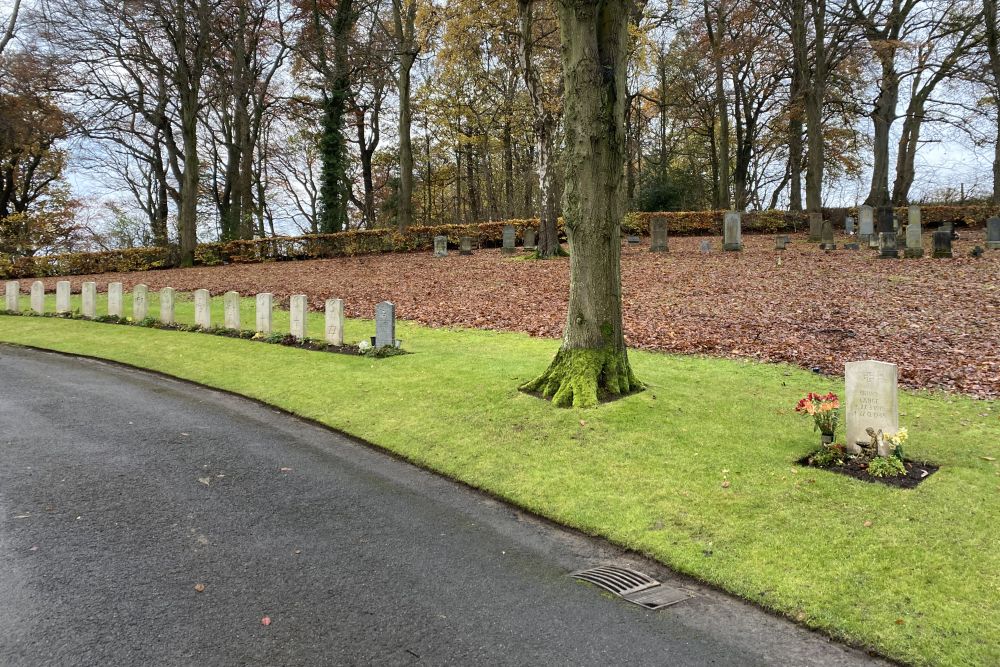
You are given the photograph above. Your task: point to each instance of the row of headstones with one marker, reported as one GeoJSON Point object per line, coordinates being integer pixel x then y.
{"type": "Point", "coordinates": [509, 241]}
{"type": "Point", "coordinates": [385, 312]}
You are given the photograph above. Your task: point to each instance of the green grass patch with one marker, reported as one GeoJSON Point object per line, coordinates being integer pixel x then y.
{"type": "Point", "coordinates": [921, 584]}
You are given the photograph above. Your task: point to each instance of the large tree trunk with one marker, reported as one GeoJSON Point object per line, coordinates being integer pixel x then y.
{"type": "Point", "coordinates": [906, 154]}
{"type": "Point", "coordinates": [592, 361]}
{"type": "Point", "coordinates": [716, 33]}
{"type": "Point", "coordinates": [993, 49]}
{"type": "Point", "coordinates": [883, 115]}
{"type": "Point", "coordinates": [796, 102]}
{"type": "Point", "coordinates": [404, 14]}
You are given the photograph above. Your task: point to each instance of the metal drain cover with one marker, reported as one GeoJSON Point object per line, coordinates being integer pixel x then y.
{"type": "Point", "coordinates": [635, 587]}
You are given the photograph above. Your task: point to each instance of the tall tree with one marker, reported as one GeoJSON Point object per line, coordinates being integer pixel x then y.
{"type": "Point", "coordinates": [404, 18]}
{"type": "Point", "coordinates": [593, 360]}
{"type": "Point", "coordinates": [715, 25]}
{"type": "Point", "coordinates": [992, 23]}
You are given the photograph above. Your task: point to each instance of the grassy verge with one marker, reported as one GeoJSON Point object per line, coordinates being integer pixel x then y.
{"type": "Point", "coordinates": [920, 584]}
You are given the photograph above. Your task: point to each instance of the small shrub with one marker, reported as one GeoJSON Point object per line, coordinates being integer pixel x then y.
{"type": "Point", "coordinates": [886, 466]}
{"type": "Point", "coordinates": [827, 456]}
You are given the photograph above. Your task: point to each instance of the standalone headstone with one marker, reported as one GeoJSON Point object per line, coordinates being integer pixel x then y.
{"type": "Point", "coordinates": [816, 227]}
{"type": "Point", "coordinates": [231, 310]}
{"type": "Point", "coordinates": [440, 246]}
{"type": "Point", "coordinates": [634, 240]}
{"type": "Point", "coordinates": [465, 245]}
{"type": "Point", "coordinates": [780, 242]}
{"type": "Point", "coordinates": [866, 223]}
{"type": "Point", "coordinates": [265, 306]}
{"type": "Point", "coordinates": [914, 242]}
{"type": "Point", "coordinates": [62, 297]}
{"type": "Point", "coordinates": [509, 237]}
{"type": "Point", "coordinates": [826, 236]}
{"type": "Point", "coordinates": [872, 400]}
{"type": "Point", "coordinates": [38, 297]}
{"type": "Point", "coordinates": [888, 247]}
{"type": "Point", "coordinates": [12, 290]}
{"type": "Point", "coordinates": [849, 226]}
{"type": "Point", "coordinates": [140, 302]}
{"type": "Point", "coordinates": [705, 247]}
{"type": "Point", "coordinates": [529, 239]}
{"type": "Point", "coordinates": [115, 308]}
{"type": "Point", "coordinates": [732, 235]}
{"type": "Point", "coordinates": [202, 309]}
{"type": "Point", "coordinates": [942, 244]}
{"type": "Point", "coordinates": [167, 305]}
{"type": "Point", "coordinates": [298, 306]}
{"type": "Point", "coordinates": [334, 331]}
{"type": "Point", "coordinates": [385, 323]}
{"type": "Point", "coordinates": [658, 234]}
{"type": "Point", "coordinates": [88, 299]}
{"type": "Point", "coordinates": [993, 234]}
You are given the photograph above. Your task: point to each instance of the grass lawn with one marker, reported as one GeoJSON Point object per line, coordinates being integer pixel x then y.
{"type": "Point", "coordinates": [921, 584]}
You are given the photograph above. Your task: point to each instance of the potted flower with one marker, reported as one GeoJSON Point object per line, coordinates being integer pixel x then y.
{"type": "Point", "coordinates": [825, 411]}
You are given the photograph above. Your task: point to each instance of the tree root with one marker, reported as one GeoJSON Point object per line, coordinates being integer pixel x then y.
{"type": "Point", "coordinates": [581, 377]}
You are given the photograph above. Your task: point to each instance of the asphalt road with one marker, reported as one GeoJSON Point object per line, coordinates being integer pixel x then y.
{"type": "Point", "coordinates": [121, 490]}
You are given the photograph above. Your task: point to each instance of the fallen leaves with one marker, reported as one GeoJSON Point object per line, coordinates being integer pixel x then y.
{"type": "Point", "coordinates": [199, 588]}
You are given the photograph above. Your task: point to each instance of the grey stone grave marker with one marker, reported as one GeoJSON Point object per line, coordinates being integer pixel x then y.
{"type": "Point", "coordinates": [732, 234]}
{"type": "Point", "coordinates": [231, 310]}
{"type": "Point", "coordinates": [62, 297]}
{"type": "Point", "coordinates": [385, 323]}
{"type": "Point", "coordinates": [634, 240]}
{"type": "Point", "coordinates": [815, 227]}
{"type": "Point", "coordinates": [202, 308]}
{"type": "Point", "coordinates": [942, 244]}
{"type": "Point", "coordinates": [658, 234]}
{"type": "Point", "coordinates": [872, 400]}
{"type": "Point", "coordinates": [826, 236]}
{"type": "Point", "coordinates": [780, 242]}
{"type": "Point", "coordinates": [140, 302]}
{"type": "Point", "coordinates": [298, 306]}
{"type": "Point", "coordinates": [529, 239]}
{"type": "Point", "coordinates": [38, 297]}
{"type": "Point", "coordinates": [12, 290]}
{"type": "Point", "coordinates": [465, 245]}
{"type": "Point", "coordinates": [888, 248]}
{"type": "Point", "coordinates": [705, 247]}
{"type": "Point", "coordinates": [866, 223]}
{"type": "Point", "coordinates": [334, 330]}
{"type": "Point", "coordinates": [167, 305]}
{"type": "Point", "coordinates": [509, 237]}
{"type": "Point", "coordinates": [849, 226]}
{"type": "Point", "coordinates": [440, 246]}
{"type": "Point", "coordinates": [88, 299]}
{"type": "Point", "coordinates": [265, 307]}
{"type": "Point", "coordinates": [852, 246]}
{"type": "Point", "coordinates": [993, 233]}
{"type": "Point", "coordinates": [914, 241]}
{"type": "Point", "coordinates": [115, 301]}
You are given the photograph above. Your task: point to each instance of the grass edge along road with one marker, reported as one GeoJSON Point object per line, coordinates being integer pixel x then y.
{"type": "Point", "coordinates": [920, 584]}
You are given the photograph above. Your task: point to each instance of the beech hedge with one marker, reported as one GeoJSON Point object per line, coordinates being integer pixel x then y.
{"type": "Point", "coordinates": [384, 240]}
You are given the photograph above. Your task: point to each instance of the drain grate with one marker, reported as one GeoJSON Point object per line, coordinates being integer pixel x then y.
{"type": "Point", "coordinates": [635, 587]}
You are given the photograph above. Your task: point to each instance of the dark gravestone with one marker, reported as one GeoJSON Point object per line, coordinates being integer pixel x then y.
{"type": "Point", "coordinates": [826, 236]}
{"type": "Point", "coordinates": [465, 245]}
{"type": "Point", "coordinates": [634, 240]}
{"type": "Point", "coordinates": [658, 234]}
{"type": "Point", "coordinates": [942, 243]}
{"type": "Point", "coordinates": [529, 239]}
{"type": "Point", "coordinates": [993, 233]}
{"type": "Point", "coordinates": [815, 226]}
{"type": "Point", "coordinates": [509, 236]}
{"type": "Point", "coordinates": [852, 246]}
{"type": "Point", "coordinates": [887, 246]}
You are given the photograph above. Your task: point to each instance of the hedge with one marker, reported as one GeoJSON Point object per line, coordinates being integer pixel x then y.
{"type": "Point", "coordinates": [374, 241]}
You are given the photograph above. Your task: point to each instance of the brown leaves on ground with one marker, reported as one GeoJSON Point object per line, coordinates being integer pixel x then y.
{"type": "Point", "coordinates": [939, 319]}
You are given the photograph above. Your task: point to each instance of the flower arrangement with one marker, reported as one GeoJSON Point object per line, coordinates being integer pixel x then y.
{"type": "Point", "coordinates": [825, 411]}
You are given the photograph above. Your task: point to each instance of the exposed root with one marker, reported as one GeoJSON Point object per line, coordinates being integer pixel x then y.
{"type": "Point", "coordinates": [580, 377]}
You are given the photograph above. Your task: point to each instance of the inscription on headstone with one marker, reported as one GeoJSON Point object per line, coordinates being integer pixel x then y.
{"type": "Point", "coordinates": [993, 233]}
{"type": "Point", "coordinates": [202, 309]}
{"type": "Point", "coordinates": [872, 400]}
{"type": "Point", "coordinates": [732, 234]}
{"type": "Point", "coordinates": [658, 234]}
{"type": "Point", "coordinates": [334, 331]}
{"type": "Point", "coordinates": [115, 304]}
{"type": "Point", "coordinates": [88, 299]}
{"type": "Point", "coordinates": [385, 323]}
{"type": "Point", "coordinates": [12, 290]}
{"type": "Point", "coordinates": [297, 307]}
{"type": "Point", "coordinates": [140, 302]}
{"type": "Point", "coordinates": [167, 305]}
{"type": "Point", "coordinates": [62, 297]}
{"type": "Point", "coordinates": [38, 297]}
{"type": "Point", "coordinates": [440, 246]}
{"type": "Point", "coordinates": [509, 237]}
{"type": "Point", "coordinates": [231, 310]}
{"type": "Point", "coordinates": [265, 305]}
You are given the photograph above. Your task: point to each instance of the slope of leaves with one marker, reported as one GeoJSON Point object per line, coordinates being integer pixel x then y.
{"type": "Point", "coordinates": [938, 319]}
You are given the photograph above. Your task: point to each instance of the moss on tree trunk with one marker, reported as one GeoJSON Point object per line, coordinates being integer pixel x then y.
{"type": "Point", "coordinates": [593, 361]}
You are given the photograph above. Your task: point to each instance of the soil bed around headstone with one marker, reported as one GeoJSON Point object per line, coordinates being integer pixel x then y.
{"type": "Point", "coordinates": [858, 469]}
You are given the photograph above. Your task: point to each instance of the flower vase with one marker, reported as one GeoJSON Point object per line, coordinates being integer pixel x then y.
{"type": "Point", "coordinates": [826, 439]}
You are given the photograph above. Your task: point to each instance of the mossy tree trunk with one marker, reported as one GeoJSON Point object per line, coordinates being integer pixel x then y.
{"type": "Point", "coordinates": [592, 360]}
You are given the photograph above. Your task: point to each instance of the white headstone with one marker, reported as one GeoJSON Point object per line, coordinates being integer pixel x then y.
{"type": "Point", "coordinates": [440, 246]}
{"type": "Point", "coordinates": [62, 296]}
{"type": "Point", "coordinates": [335, 321]}
{"type": "Point", "coordinates": [140, 303]}
{"type": "Point", "coordinates": [732, 234]}
{"type": "Point", "coordinates": [872, 400]}
{"type": "Point", "coordinates": [385, 324]}
{"type": "Point", "coordinates": [202, 309]}
{"type": "Point", "coordinates": [265, 304]}
{"type": "Point", "coordinates": [38, 297]}
{"type": "Point", "coordinates": [866, 221]}
{"type": "Point", "coordinates": [115, 299]}
{"type": "Point", "coordinates": [297, 308]}
{"type": "Point", "coordinates": [12, 290]}
{"type": "Point", "coordinates": [231, 304]}
{"type": "Point", "coordinates": [167, 305]}
{"type": "Point", "coordinates": [88, 299]}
